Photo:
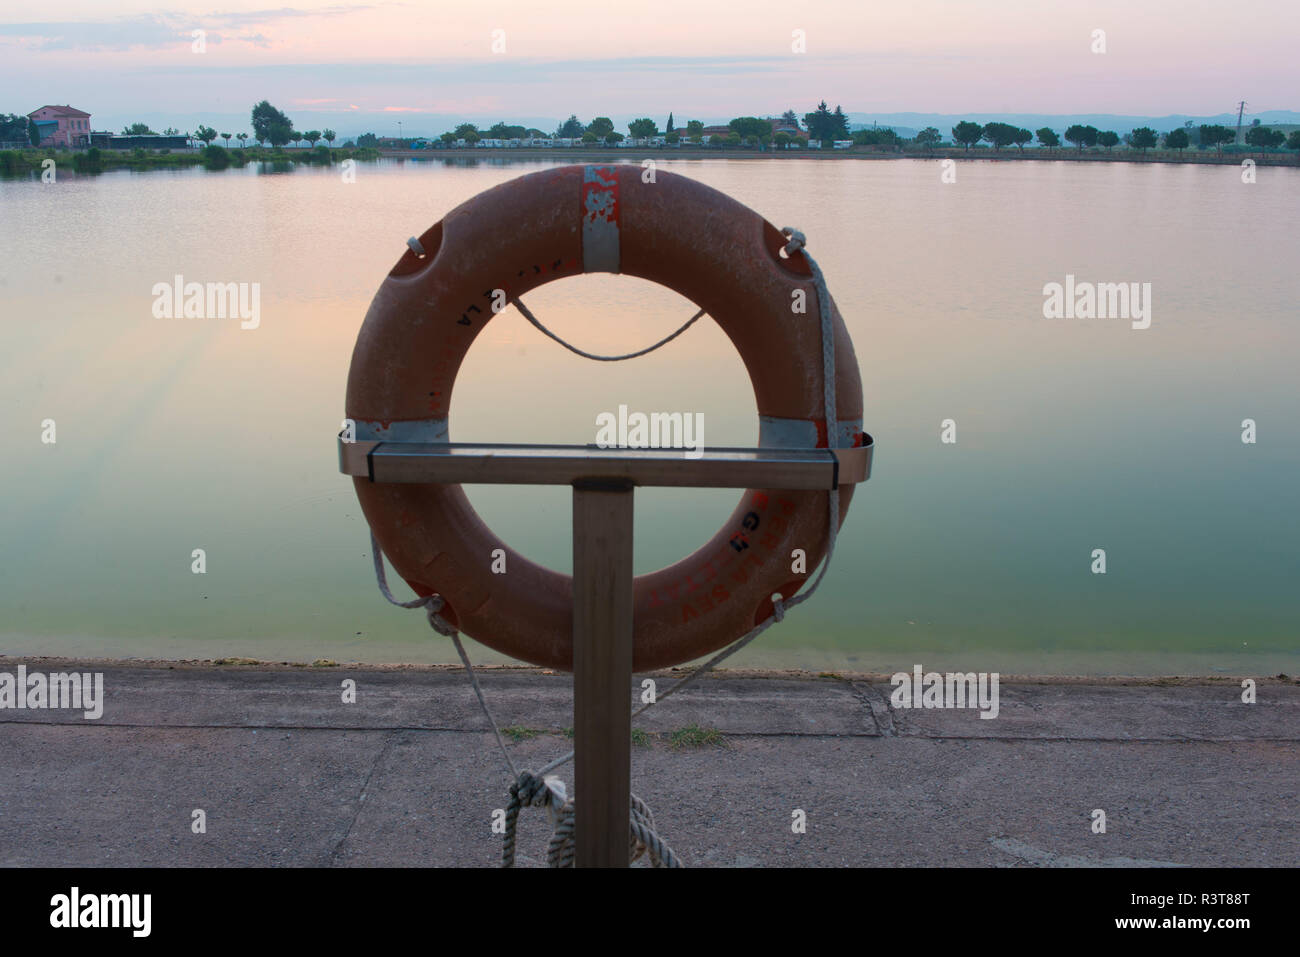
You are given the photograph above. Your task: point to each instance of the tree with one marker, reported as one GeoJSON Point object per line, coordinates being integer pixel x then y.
{"type": "Point", "coordinates": [329, 136]}
{"type": "Point", "coordinates": [1215, 135]}
{"type": "Point", "coordinates": [471, 137]}
{"type": "Point", "coordinates": [226, 137]}
{"type": "Point", "coordinates": [138, 129]}
{"type": "Point", "coordinates": [1176, 140]}
{"type": "Point", "coordinates": [967, 133]}
{"type": "Point", "coordinates": [791, 119]}
{"type": "Point", "coordinates": [1143, 138]}
{"type": "Point", "coordinates": [822, 124]}
{"type": "Point", "coordinates": [928, 138]}
{"type": "Point", "coordinates": [694, 127]}
{"type": "Point", "coordinates": [602, 126]}
{"type": "Point", "coordinates": [999, 134]}
{"type": "Point", "coordinates": [571, 128]}
{"type": "Point", "coordinates": [280, 134]}
{"type": "Point", "coordinates": [643, 128]}
{"type": "Point", "coordinates": [1022, 137]}
{"type": "Point", "coordinates": [33, 132]}
{"type": "Point", "coordinates": [669, 127]}
{"type": "Point", "coordinates": [1293, 141]}
{"type": "Point", "coordinates": [311, 136]}
{"type": "Point", "coordinates": [1264, 138]}
{"type": "Point", "coordinates": [673, 138]}
{"type": "Point", "coordinates": [1108, 138]}
{"type": "Point", "coordinates": [748, 126]}
{"type": "Point", "coordinates": [782, 140]}
{"type": "Point", "coordinates": [205, 133]}
{"type": "Point", "coordinates": [271, 125]}
{"type": "Point", "coordinates": [12, 127]}
{"type": "Point", "coordinates": [448, 138]}
{"type": "Point", "coordinates": [214, 157]}
{"type": "Point", "coordinates": [1082, 136]}
{"type": "Point", "coordinates": [1048, 138]}
{"type": "Point", "coordinates": [613, 137]}
{"type": "Point", "coordinates": [171, 131]}
{"type": "Point", "coordinates": [504, 131]}
{"type": "Point", "coordinates": [875, 137]}
{"type": "Point", "coordinates": [732, 139]}
{"type": "Point", "coordinates": [369, 140]}
{"type": "Point", "coordinates": [588, 137]}
{"type": "Point", "coordinates": [242, 137]}
{"type": "Point", "coordinates": [465, 129]}
{"type": "Point", "coordinates": [841, 124]}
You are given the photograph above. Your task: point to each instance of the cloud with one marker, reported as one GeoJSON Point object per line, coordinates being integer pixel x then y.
{"type": "Point", "coordinates": [245, 18]}
{"type": "Point", "coordinates": [160, 30]}
{"type": "Point", "coordinates": [123, 33]}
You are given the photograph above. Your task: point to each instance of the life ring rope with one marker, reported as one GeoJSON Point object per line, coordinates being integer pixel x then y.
{"type": "Point", "coordinates": [527, 314]}
{"type": "Point", "coordinates": [526, 781]}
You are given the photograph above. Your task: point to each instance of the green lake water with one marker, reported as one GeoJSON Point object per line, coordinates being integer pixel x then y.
{"type": "Point", "coordinates": [1072, 434]}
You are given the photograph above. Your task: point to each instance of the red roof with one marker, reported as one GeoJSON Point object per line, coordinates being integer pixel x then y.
{"type": "Point", "coordinates": [61, 110]}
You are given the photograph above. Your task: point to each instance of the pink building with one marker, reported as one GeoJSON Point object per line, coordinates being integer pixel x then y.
{"type": "Point", "coordinates": [62, 126]}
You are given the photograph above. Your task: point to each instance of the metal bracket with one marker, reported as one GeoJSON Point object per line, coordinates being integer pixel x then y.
{"type": "Point", "coordinates": [477, 463]}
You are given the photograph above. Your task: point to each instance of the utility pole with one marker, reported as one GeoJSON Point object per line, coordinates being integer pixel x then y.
{"type": "Point", "coordinates": [1241, 110]}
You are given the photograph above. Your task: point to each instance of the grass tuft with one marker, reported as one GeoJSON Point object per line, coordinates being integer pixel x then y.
{"type": "Point", "coordinates": [693, 736]}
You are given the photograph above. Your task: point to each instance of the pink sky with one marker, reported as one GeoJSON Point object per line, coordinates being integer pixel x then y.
{"type": "Point", "coordinates": [698, 59]}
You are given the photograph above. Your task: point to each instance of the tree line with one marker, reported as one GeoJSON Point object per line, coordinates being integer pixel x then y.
{"type": "Point", "coordinates": [998, 135]}
{"type": "Point", "coordinates": [273, 126]}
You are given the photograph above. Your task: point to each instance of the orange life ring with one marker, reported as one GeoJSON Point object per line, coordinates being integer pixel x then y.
{"type": "Point", "coordinates": [563, 222]}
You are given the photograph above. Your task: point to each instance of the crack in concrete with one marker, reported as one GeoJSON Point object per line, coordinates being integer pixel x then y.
{"type": "Point", "coordinates": [337, 853]}
{"type": "Point", "coordinates": [878, 707]}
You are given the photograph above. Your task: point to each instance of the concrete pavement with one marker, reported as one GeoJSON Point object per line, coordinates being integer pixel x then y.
{"type": "Point", "coordinates": [287, 773]}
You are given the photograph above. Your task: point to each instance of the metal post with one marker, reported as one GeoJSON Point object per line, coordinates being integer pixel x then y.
{"type": "Point", "coordinates": [602, 671]}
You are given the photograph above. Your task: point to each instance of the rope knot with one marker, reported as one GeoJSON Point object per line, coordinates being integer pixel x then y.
{"type": "Point", "coordinates": [796, 238]}
{"type": "Point", "coordinates": [432, 606]}
{"type": "Point", "coordinates": [529, 790]}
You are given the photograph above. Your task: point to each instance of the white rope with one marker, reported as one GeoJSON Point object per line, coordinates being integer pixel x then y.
{"type": "Point", "coordinates": [519, 304]}
{"type": "Point", "coordinates": [536, 790]}
{"type": "Point", "coordinates": [533, 790]}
